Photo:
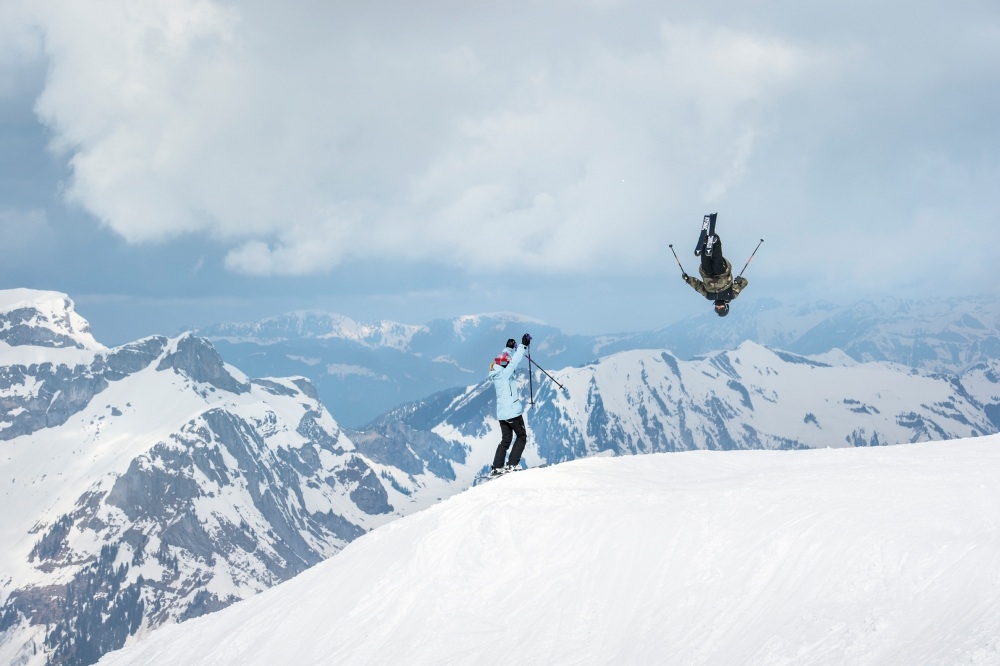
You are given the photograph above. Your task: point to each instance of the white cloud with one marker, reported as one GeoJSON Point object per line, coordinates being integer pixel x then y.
{"type": "Point", "coordinates": [19, 40]}
{"type": "Point", "coordinates": [558, 137]}
{"type": "Point", "coordinates": [307, 135]}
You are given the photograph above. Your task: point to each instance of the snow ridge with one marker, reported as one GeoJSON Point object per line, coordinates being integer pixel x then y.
{"type": "Point", "coordinates": [753, 557]}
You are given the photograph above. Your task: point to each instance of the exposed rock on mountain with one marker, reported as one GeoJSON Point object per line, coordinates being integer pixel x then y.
{"type": "Point", "coordinates": [152, 483]}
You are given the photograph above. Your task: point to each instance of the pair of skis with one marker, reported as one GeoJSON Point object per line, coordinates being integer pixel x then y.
{"type": "Point", "coordinates": [706, 240]}
{"type": "Point", "coordinates": [489, 477]}
{"type": "Point", "coordinates": [707, 237]}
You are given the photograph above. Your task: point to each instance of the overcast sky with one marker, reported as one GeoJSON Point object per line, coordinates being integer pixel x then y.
{"type": "Point", "coordinates": [178, 162]}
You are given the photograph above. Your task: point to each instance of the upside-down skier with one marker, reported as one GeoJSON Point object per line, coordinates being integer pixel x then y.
{"type": "Point", "coordinates": [510, 411]}
{"type": "Point", "coordinates": [717, 283]}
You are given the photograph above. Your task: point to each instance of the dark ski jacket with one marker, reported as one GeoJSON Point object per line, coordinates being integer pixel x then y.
{"type": "Point", "coordinates": [718, 287]}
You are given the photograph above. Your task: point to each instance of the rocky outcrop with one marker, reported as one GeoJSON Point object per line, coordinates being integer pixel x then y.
{"type": "Point", "coordinates": [192, 488]}
{"type": "Point", "coordinates": [197, 359]}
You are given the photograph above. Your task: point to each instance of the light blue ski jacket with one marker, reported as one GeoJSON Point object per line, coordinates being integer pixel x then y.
{"type": "Point", "coordinates": [505, 382]}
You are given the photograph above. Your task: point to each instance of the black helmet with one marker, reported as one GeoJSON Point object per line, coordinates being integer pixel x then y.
{"type": "Point", "coordinates": [721, 308]}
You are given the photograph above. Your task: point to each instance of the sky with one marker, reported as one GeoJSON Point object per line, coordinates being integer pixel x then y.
{"type": "Point", "coordinates": [175, 163]}
{"type": "Point", "coordinates": [884, 555]}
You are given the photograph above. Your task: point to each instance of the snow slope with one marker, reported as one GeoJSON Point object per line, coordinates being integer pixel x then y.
{"type": "Point", "coordinates": [887, 555]}
{"type": "Point", "coordinates": [151, 483]}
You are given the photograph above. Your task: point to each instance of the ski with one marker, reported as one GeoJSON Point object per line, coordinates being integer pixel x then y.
{"type": "Point", "coordinates": [483, 478]}
{"type": "Point", "coordinates": [707, 229]}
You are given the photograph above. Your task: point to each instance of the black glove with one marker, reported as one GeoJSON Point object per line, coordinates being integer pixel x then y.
{"type": "Point", "coordinates": [525, 339]}
{"type": "Point", "coordinates": [686, 277]}
{"type": "Point", "coordinates": [511, 343]}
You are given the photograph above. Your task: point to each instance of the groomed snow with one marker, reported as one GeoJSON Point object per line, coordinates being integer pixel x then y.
{"type": "Point", "coordinates": [833, 556]}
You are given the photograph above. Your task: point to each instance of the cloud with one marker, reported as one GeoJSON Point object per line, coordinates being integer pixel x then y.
{"type": "Point", "coordinates": [307, 135]}
{"type": "Point", "coordinates": [552, 137]}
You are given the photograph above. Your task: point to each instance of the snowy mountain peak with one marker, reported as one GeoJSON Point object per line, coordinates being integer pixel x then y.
{"type": "Point", "coordinates": [29, 317]}
{"type": "Point", "coordinates": [197, 359]}
{"type": "Point", "coordinates": [152, 483]}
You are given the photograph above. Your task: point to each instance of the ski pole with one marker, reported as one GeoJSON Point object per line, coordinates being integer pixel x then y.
{"type": "Point", "coordinates": [751, 258]}
{"type": "Point", "coordinates": [531, 387]}
{"type": "Point", "coordinates": [547, 374]}
{"type": "Point", "coordinates": [683, 272]}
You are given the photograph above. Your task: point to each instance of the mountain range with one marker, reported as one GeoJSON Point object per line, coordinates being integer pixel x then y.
{"type": "Point", "coordinates": [362, 370]}
{"type": "Point", "coordinates": [151, 483]}
{"type": "Point", "coordinates": [648, 401]}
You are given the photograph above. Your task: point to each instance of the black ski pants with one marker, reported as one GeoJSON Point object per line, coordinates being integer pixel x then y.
{"type": "Point", "coordinates": [508, 429]}
{"type": "Point", "coordinates": [714, 265]}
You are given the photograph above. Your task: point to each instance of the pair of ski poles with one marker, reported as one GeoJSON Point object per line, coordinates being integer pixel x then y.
{"type": "Point", "coordinates": [684, 272]}
{"type": "Point", "coordinates": [531, 385]}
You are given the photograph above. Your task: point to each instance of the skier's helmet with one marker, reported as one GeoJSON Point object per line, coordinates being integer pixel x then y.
{"type": "Point", "coordinates": [503, 359]}
{"type": "Point", "coordinates": [721, 308]}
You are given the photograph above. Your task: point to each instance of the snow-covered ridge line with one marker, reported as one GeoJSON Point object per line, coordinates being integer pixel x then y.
{"type": "Point", "coordinates": [692, 558]}
{"type": "Point", "coordinates": [46, 393]}
{"type": "Point", "coordinates": [315, 324]}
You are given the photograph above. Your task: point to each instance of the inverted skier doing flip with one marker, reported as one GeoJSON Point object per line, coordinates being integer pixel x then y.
{"type": "Point", "coordinates": [716, 283]}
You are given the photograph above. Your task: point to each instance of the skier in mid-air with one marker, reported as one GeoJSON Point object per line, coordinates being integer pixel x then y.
{"type": "Point", "coordinates": [717, 283]}
{"type": "Point", "coordinates": [510, 411]}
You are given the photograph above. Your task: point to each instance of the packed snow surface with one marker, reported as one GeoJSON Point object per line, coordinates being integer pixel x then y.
{"type": "Point", "coordinates": [885, 555]}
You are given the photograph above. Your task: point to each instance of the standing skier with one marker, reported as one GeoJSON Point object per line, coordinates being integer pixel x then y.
{"type": "Point", "coordinates": [509, 408]}
{"type": "Point", "coordinates": [717, 283]}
